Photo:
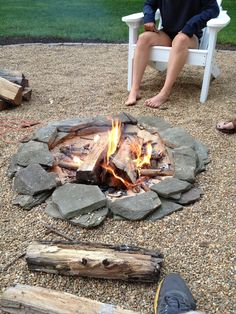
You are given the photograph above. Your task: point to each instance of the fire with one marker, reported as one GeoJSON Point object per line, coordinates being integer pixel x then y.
{"type": "Point", "coordinates": [140, 161]}
{"type": "Point", "coordinates": [113, 138]}
{"type": "Point", "coordinates": [112, 171]}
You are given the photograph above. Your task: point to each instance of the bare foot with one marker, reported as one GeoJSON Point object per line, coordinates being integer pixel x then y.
{"type": "Point", "coordinates": [226, 127]}
{"type": "Point", "coordinates": [134, 96]}
{"type": "Point", "coordinates": [156, 101]}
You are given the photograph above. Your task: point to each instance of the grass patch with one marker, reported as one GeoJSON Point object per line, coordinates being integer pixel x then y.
{"type": "Point", "coordinates": [80, 20]}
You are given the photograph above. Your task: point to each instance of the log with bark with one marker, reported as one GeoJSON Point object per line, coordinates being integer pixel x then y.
{"type": "Point", "coordinates": [28, 299]}
{"type": "Point", "coordinates": [95, 260]}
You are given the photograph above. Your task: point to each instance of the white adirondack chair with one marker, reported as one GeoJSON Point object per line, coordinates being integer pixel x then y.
{"type": "Point", "coordinates": [204, 56]}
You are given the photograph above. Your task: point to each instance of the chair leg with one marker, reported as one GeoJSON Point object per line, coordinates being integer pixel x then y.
{"type": "Point", "coordinates": [130, 71]}
{"type": "Point", "coordinates": [205, 84]}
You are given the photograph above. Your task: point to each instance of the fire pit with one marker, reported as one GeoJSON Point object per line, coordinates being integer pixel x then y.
{"type": "Point", "coordinates": [131, 168]}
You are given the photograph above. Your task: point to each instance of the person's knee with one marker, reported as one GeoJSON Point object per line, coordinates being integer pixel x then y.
{"type": "Point", "coordinates": [144, 39]}
{"type": "Point", "coordinates": [181, 42]}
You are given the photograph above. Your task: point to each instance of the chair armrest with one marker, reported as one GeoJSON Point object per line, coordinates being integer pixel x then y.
{"type": "Point", "coordinates": [219, 22]}
{"type": "Point", "coordinates": [136, 19]}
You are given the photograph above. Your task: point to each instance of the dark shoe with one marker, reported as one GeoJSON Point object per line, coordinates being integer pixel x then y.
{"type": "Point", "coordinates": [173, 296]}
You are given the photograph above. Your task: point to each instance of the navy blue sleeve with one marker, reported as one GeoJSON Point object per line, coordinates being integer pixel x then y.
{"type": "Point", "coordinates": [210, 10]}
{"type": "Point", "coordinates": [149, 10]}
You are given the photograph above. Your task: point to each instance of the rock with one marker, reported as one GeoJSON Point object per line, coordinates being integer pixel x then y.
{"type": "Point", "coordinates": [185, 163]}
{"type": "Point", "coordinates": [34, 153]}
{"type": "Point", "coordinates": [77, 199]}
{"type": "Point", "coordinates": [190, 196]}
{"type": "Point", "coordinates": [28, 201]}
{"type": "Point", "coordinates": [135, 207]}
{"type": "Point", "coordinates": [170, 186]}
{"type": "Point", "coordinates": [33, 180]}
{"type": "Point", "coordinates": [165, 209]}
{"type": "Point", "coordinates": [91, 220]}
{"type": "Point", "coordinates": [52, 210]}
{"type": "Point", "coordinates": [46, 135]}
{"type": "Point", "coordinates": [72, 125]}
{"type": "Point", "coordinates": [125, 118]}
{"type": "Point", "coordinates": [61, 136]}
{"type": "Point", "coordinates": [155, 122]}
{"type": "Point", "coordinates": [177, 137]}
{"type": "Point", "coordinates": [13, 167]}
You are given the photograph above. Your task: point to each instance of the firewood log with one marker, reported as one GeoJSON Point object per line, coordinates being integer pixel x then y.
{"type": "Point", "coordinates": [94, 260]}
{"type": "Point", "coordinates": [28, 299]}
{"type": "Point", "coordinates": [10, 92]}
{"type": "Point", "coordinates": [15, 77]}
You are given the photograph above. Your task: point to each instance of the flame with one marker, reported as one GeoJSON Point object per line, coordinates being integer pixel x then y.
{"type": "Point", "coordinates": [113, 138]}
{"type": "Point", "coordinates": [77, 160]}
{"type": "Point", "coordinates": [140, 161]}
{"type": "Point", "coordinates": [112, 171]}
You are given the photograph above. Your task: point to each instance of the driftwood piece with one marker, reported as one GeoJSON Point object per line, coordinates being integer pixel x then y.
{"type": "Point", "coordinates": [123, 161]}
{"type": "Point", "coordinates": [94, 260]}
{"type": "Point", "coordinates": [10, 92]}
{"type": "Point", "coordinates": [23, 299]}
{"type": "Point", "coordinates": [15, 77]}
{"type": "Point", "coordinates": [89, 169]}
{"type": "Point", "coordinates": [52, 229]}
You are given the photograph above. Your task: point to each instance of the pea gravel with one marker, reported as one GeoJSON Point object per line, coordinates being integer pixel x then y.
{"type": "Point", "coordinates": [198, 242]}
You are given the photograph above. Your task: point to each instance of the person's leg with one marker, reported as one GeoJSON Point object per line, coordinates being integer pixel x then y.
{"type": "Point", "coordinates": [141, 57]}
{"type": "Point", "coordinates": [177, 59]}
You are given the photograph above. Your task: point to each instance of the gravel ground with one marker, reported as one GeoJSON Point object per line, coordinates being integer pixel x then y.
{"type": "Point", "coordinates": [198, 242]}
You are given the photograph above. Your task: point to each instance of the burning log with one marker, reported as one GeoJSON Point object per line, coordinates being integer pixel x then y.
{"type": "Point", "coordinates": [37, 300]}
{"type": "Point", "coordinates": [156, 172]}
{"type": "Point", "coordinates": [68, 165]}
{"type": "Point", "coordinates": [95, 260]}
{"type": "Point", "coordinates": [10, 92]}
{"type": "Point", "coordinates": [90, 168]}
{"type": "Point", "coordinates": [122, 161]}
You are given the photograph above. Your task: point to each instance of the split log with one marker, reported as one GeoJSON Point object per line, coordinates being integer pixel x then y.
{"type": "Point", "coordinates": [90, 168]}
{"type": "Point", "coordinates": [123, 161]}
{"type": "Point", "coordinates": [15, 77]}
{"type": "Point", "coordinates": [155, 172]}
{"type": "Point", "coordinates": [10, 92]}
{"type": "Point", "coordinates": [28, 299]}
{"type": "Point", "coordinates": [68, 165]}
{"type": "Point", "coordinates": [26, 94]}
{"type": "Point", "coordinates": [94, 260]}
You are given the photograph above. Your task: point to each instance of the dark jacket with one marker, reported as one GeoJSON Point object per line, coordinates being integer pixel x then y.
{"type": "Point", "coordinates": [188, 16]}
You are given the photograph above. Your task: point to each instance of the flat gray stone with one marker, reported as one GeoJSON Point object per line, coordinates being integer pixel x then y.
{"type": "Point", "coordinates": [72, 125]}
{"type": "Point", "coordinates": [13, 167]}
{"type": "Point", "coordinates": [170, 186]}
{"type": "Point", "coordinates": [52, 210]}
{"type": "Point", "coordinates": [28, 201]}
{"type": "Point", "coordinates": [135, 207]}
{"type": "Point", "coordinates": [77, 199]}
{"type": "Point", "coordinates": [61, 136]}
{"type": "Point", "coordinates": [177, 137]}
{"type": "Point", "coordinates": [46, 135]}
{"type": "Point", "coordinates": [33, 180]}
{"type": "Point", "coordinates": [155, 122]}
{"type": "Point", "coordinates": [91, 220]}
{"type": "Point", "coordinates": [34, 153]}
{"type": "Point", "coordinates": [185, 163]}
{"type": "Point", "coordinates": [166, 208]}
{"type": "Point", "coordinates": [125, 118]}
{"type": "Point", "coordinates": [190, 196]}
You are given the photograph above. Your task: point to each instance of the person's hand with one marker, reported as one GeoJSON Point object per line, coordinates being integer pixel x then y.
{"type": "Point", "coordinates": [150, 27]}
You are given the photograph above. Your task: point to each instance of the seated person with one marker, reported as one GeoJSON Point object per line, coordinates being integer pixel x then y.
{"type": "Point", "coordinates": [182, 23]}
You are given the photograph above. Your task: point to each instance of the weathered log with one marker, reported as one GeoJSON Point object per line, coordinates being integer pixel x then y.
{"type": "Point", "coordinates": [89, 169]}
{"type": "Point", "coordinates": [95, 260]}
{"type": "Point", "coordinates": [23, 299]}
{"type": "Point", "coordinates": [15, 77]}
{"type": "Point", "coordinates": [10, 92]}
{"type": "Point", "coordinates": [155, 172]}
